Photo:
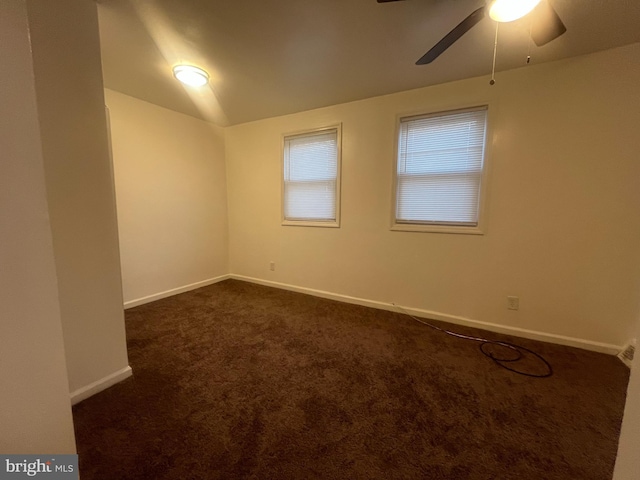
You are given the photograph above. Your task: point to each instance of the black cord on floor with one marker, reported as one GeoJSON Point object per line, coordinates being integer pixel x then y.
{"type": "Point", "coordinates": [518, 349]}
{"type": "Point", "coordinates": [484, 344]}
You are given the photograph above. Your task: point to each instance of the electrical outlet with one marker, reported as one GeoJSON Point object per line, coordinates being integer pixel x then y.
{"type": "Point", "coordinates": [513, 303]}
{"type": "Point", "coordinates": [272, 266]}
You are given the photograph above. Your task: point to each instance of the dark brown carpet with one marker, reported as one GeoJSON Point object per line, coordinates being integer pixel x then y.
{"type": "Point", "coordinates": [239, 381]}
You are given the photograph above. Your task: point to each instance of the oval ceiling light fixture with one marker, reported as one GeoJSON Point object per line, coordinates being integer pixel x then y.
{"type": "Point", "coordinates": [190, 75]}
{"type": "Point", "coordinates": [510, 10]}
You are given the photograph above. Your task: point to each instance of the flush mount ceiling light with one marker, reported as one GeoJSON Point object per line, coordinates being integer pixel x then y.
{"type": "Point", "coordinates": [510, 10]}
{"type": "Point", "coordinates": [190, 75]}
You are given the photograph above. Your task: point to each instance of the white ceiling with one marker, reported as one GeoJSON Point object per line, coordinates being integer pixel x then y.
{"type": "Point", "coordinates": [273, 57]}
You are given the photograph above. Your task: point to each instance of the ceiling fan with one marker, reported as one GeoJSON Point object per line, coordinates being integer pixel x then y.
{"type": "Point", "coordinates": [546, 24]}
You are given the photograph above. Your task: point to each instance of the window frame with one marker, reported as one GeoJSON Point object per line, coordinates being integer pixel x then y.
{"type": "Point", "coordinates": [480, 228]}
{"type": "Point", "coordinates": [301, 133]}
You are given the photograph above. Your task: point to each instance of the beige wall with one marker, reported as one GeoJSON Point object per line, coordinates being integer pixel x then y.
{"type": "Point", "coordinates": [563, 227]}
{"type": "Point", "coordinates": [35, 413]}
{"type": "Point", "coordinates": [68, 80]}
{"type": "Point", "coordinates": [172, 197]}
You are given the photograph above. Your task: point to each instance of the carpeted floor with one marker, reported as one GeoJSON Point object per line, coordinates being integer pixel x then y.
{"type": "Point", "coordinates": [240, 381]}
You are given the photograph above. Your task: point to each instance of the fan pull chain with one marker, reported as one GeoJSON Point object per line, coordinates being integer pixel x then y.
{"type": "Point", "coordinates": [529, 43]}
{"type": "Point", "coordinates": [495, 50]}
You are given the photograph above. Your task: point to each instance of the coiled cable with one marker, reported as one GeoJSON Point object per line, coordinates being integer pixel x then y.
{"type": "Point", "coordinates": [518, 352]}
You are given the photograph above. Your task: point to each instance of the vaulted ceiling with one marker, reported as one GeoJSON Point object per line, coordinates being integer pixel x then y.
{"type": "Point", "coordinates": [274, 57]}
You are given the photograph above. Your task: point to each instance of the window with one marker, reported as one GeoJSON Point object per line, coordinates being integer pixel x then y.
{"type": "Point", "coordinates": [311, 187]}
{"type": "Point", "coordinates": [439, 171]}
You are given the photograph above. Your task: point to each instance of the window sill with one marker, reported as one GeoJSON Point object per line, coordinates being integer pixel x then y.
{"type": "Point", "coordinates": [305, 223]}
{"type": "Point", "coordinates": [414, 227]}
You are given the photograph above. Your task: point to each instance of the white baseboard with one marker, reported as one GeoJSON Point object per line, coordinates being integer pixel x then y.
{"type": "Point", "coordinates": [100, 385]}
{"type": "Point", "coordinates": [173, 291]}
{"type": "Point", "coordinates": [492, 327]}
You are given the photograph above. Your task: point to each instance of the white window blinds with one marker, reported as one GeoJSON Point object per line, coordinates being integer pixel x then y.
{"type": "Point", "coordinates": [311, 176]}
{"type": "Point", "coordinates": [439, 168]}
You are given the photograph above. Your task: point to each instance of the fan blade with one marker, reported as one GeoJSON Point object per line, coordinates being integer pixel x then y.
{"type": "Point", "coordinates": [386, 1]}
{"type": "Point", "coordinates": [451, 37]}
{"type": "Point", "coordinates": [547, 25]}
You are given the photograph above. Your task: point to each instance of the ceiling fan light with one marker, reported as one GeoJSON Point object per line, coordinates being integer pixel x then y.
{"type": "Point", "coordinates": [190, 75]}
{"type": "Point", "coordinates": [510, 10]}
